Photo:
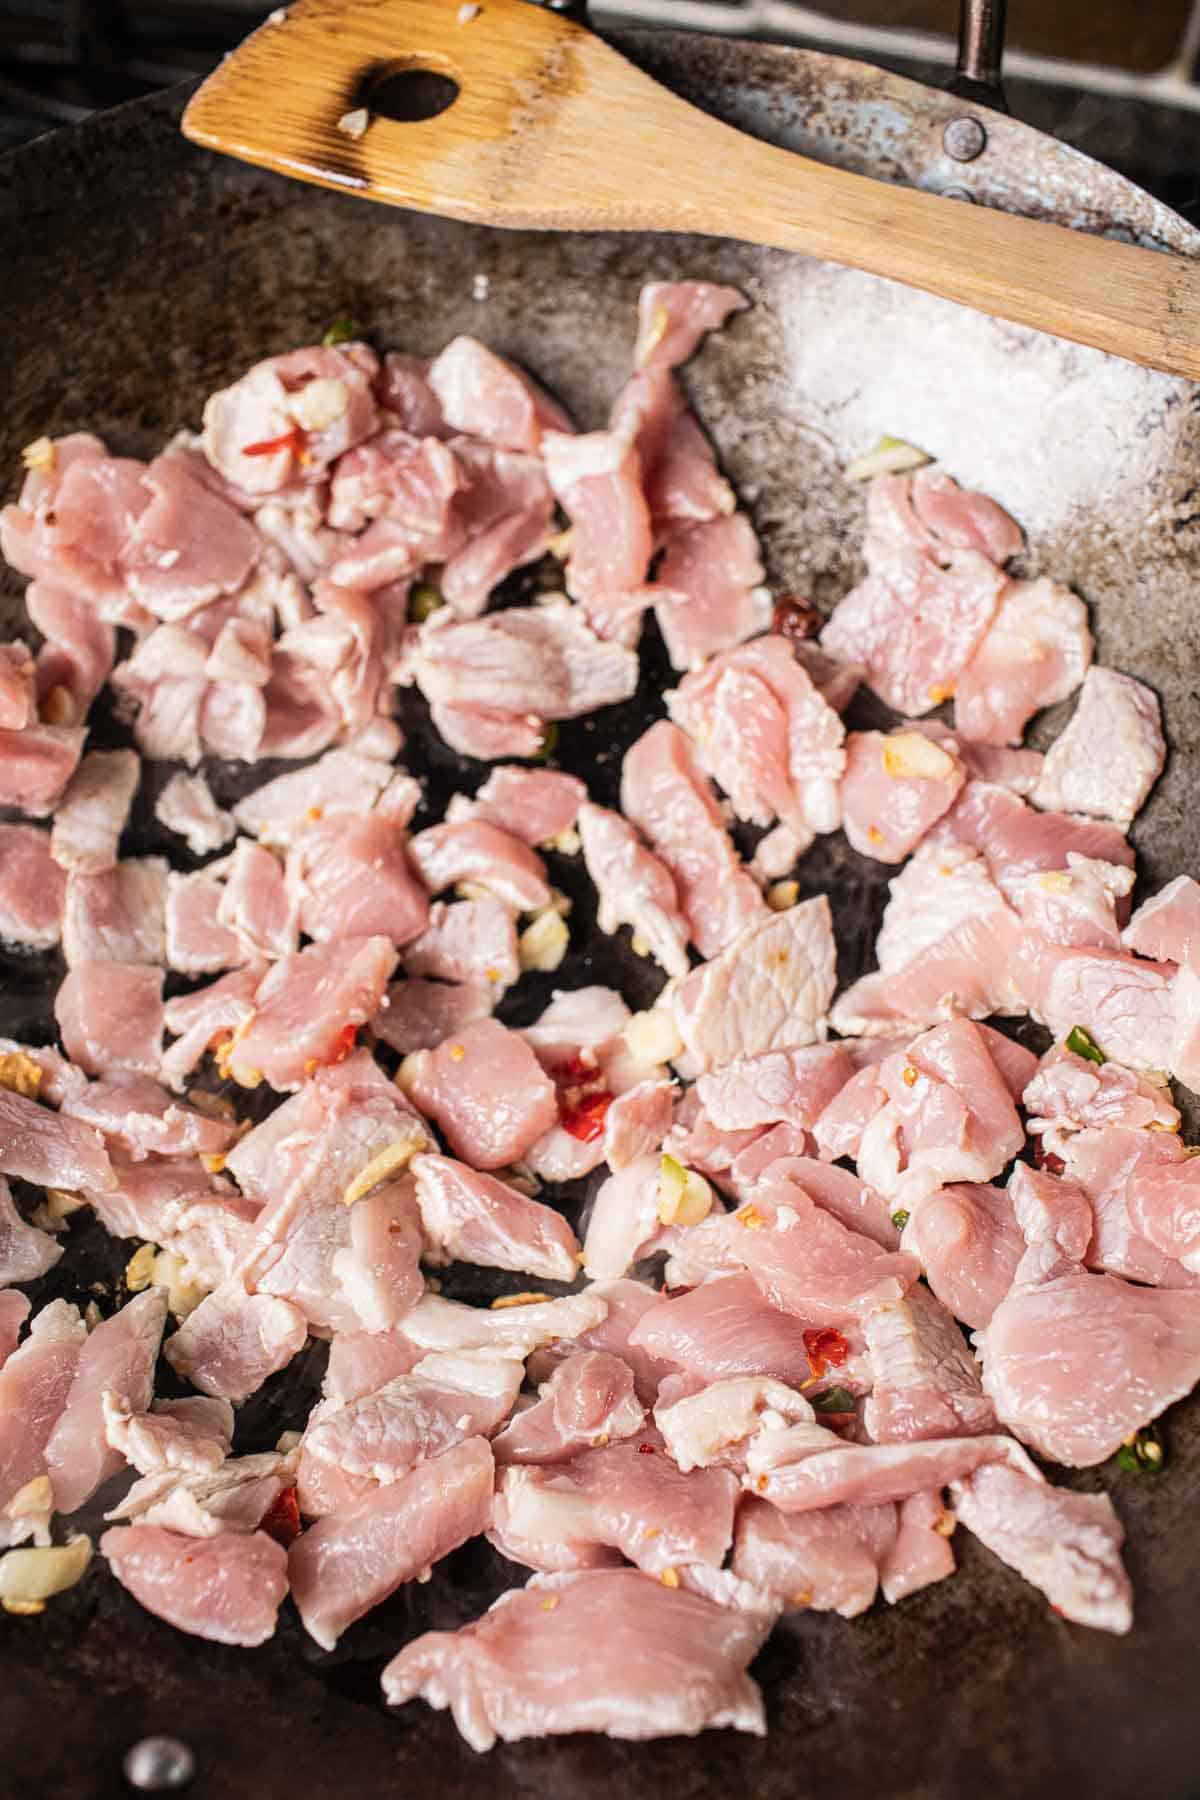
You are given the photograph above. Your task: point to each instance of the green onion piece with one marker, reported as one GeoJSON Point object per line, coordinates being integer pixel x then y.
{"type": "Point", "coordinates": [1142, 1454]}
{"type": "Point", "coordinates": [343, 331]}
{"type": "Point", "coordinates": [900, 1219]}
{"type": "Point", "coordinates": [424, 600]}
{"type": "Point", "coordinates": [549, 743]}
{"type": "Point", "coordinates": [833, 1400]}
{"type": "Point", "coordinates": [1082, 1043]}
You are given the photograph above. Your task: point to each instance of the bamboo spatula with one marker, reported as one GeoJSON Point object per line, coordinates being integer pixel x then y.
{"type": "Point", "coordinates": [551, 129]}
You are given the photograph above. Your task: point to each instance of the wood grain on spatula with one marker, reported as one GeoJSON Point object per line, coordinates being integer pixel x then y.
{"type": "Point", "coordinates": [552, 129]}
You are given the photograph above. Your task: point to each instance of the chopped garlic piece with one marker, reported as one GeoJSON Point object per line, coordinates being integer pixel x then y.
{"type": "Point", "coordinates": [659, 326]}
{"type": "Point", "coordinates": [214, 1163]}
{"type": "Point", "coordinates": [61, 1202]}
{"type": "Point", "coordinates": [783, 895]}
{"type": "Point", "coordinates": [910, 755]}
{"type": "Point", "coordinates": [139, 1270]}
{"type": "Point", "coordinates": [652, 1037]}
{"type": "Point", "coordinates": [390, 1159]}
{"type": "Point", "coordinates": [503, 1301]}
{"type": "Point", "coordinates": [560, 545]}
{"type": "Point", "coordinates": [20, 1074]}
{"type": "Point", "coordinates": [40, 456]}
{"type": "Point", "coordinates": [31, 1508]}
{"type": "Point", "coordinates": [684, 1197]}
{"type": "Point", "coordinates": [321, 403]}
{"type": "Point", "coordinates": [543, 944]}
{"type": "Point", "coordinates": [288, 1441]}
{"type": "Point", "coordinates": [354, 124]}
{"type": "Point", "coordinates": [890, 456]}
{"type": "Point", "coordinates": [28, 1576]}
{"type": "Point", "coordinates": [183, 1297]}
{"type": "Point", "coordinates": [567, 843]}
{"type": "Point", "coordinates": [58, 708]}
{"type": "Point", "coordinates": [1056, 881]}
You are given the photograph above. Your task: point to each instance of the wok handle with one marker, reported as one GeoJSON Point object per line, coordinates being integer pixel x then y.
{"type": "Point", "coordinates": [980, 52]}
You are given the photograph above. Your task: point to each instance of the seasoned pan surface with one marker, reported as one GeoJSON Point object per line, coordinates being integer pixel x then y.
{"type": "Point", "coordinates": [137, 274]}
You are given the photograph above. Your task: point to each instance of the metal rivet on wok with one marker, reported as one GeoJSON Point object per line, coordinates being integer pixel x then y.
{"type": "Point", "coordinates": [159, 1763]}
{"type": "Point", "coordinates": [964, 139]}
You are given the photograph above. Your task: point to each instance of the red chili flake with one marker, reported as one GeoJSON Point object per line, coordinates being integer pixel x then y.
{"type": "Point", "coordinates": [796, 619]}
{"type": "Point", "coordinates": [585, 1120]}
{"type": "Point", "coordinates": [282, 1518]}
{"type": "Point", "coordinates": [825, 1349]}
{"type": "Point", "coordinates": [294, 440]}
{"type": "Point", "coordinates": [645, 1449]}
{"type": "Point", "coordinates": [343, 1044]}
{"type": "Point", "coordinates": [1046, 1159]}
{"type": "Point", "coordinates": [575, 1070]}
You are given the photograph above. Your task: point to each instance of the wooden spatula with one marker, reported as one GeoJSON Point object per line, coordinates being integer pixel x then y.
{"type": "Point", "coordinates": [553, 130]}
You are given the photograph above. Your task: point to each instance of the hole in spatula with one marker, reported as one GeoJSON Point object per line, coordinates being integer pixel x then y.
{"type": "Point", "coordinates": [409, 95]}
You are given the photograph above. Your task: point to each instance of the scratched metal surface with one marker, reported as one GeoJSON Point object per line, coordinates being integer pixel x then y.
{"type": "Point", "coordinates": [136, 274]}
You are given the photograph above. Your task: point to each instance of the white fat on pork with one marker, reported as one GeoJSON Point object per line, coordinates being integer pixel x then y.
{"type": "Point", "coordinates": [634, 887]}
{"type": "Point", "coordinates": [925, 1381]}
{"type": "Point", "coordinates": [192, 1435]}
{"type": "Point", "coordinates": [119, 1354]}
{"type": "Point", "coordinates": [186, 807]}
{"type": "Point", "coordinates": [234, 1496]}
{"type": "Point", "coordinates": [1035, 652]}
{"type": "Point", "coordinates": [233, 1340]}
{"type": "Point", "coordinates": [718, 1424]}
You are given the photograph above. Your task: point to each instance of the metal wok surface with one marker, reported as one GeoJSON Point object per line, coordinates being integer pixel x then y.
{"type": "Point", "coordinates": [136, 274]}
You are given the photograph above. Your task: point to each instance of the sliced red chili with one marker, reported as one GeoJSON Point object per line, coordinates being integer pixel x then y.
{"type": "Point", "coordinates": [343, 1044]}
{"type": "Point", "coordinates": [796, 619]}
{"type": "Point", "coordinates": [584, 1121]}
{"type": "Point", "coordinates": [574, 1070]}
{"type": "Point", "coordinates": [1046, 1159]}
{"type": "Point", "coordinates": [825, 1348]}
{"type": "Point", "coordinates": [645, 1449]}
{"type": "Point", "coordinates": [293, 440]}
{"type": "Point", "coordinates": [282, 1518]}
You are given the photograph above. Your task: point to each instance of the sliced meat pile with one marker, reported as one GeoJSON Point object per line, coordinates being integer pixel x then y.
{"type": "Point", "coordinates": [786, 1282]}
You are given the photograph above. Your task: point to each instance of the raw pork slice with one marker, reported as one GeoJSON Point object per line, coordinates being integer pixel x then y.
{"type": "Point", "coordinates": [487, 397]}
{"type": "Point", "coordinates": [48, 1149]}
{"type": "Point", "coordinates": [32, 889]}
{"type": "Point", "coordinates": [474, 851]}
{"type": "Point", "coordinates": [120, 1355]}
{"type": "Point", "coordinates": [34, 1384]}
{"type": "Point", "coordinates": [198, 1020]}
{"type": "Point", "coordinates": [25, 1252]}
{"type": "Point", "coordinates": [1126, 1006]}
{"type": "Point", "coordinates": [769, 990]}
{"type": "Point", "coordinates": [969, 1245]}
{"type": "Point", "coordinates": [1167, 927]}
{"type": "Point", "coordinates": [475, 1218]}
{"type": "Point", "coordinates": [307, 1009]}
{"type": "Point", "coordinates": [926, 602]}
{"type": "Point", "coordinates": [258, 903]}
{"type": "Point", "coordinates": [486, 1091]}
{"type": "Point", "coordinates": [1076, 1364]}
{"type": "Point", "coordinates": [926, 1382]}
{"type": "Point", "coordinates": [196, 941]}
{"type": "Point", "coordinates": [765, 733]}
{"type": "Point", "coordinates": [110, 1016]}
{"type": "Point", "coordinates": [14, 1310]}
{"type": "Point", "coordinates": [807, 1262]}
{"type": "Point", "coordinates": [345, 1564]}
{"type": "Point", "coordinates": [1016, 841]}
{"type": "Point", "coordinates": [717, 1425]}
{"type": "Point", "coordinates": [94, 811]}
{"type": "Point", "coordinates": [667, 796]}
{"type": "Point", "coordinates": [709, 588]}
{"type": "Point", "coordinates": [234, 1340]}
{"type": "Point", "coordinates": [1066, 1544]}
{"type": "Point", "coordinates": [143, 1119]}
{"type": "Point", "coordinates": [828, 1561]}
{"type": "Point", "coordinates": [227, 1588]}
{"type": "Point", "coordinates": [597, 480]}
{"type": "Point", "coordinates": [445, 1399]}
{"type": "Point", "coordinates": [724, 1328]}
{"type": "Point", "coordinates": [536, 805]}
{"type": "Point", "coordinates": [118, 916]}
{"type": "Point", "coordinates": [469, 941]}
{"type": "Point", "coordinates": [420, 1015]}
{"type": "Point", "coordinates": [599, 1650]}
{"type": "Point", "coordinates": [194, 1434]}
{"type": "Point", "coordinates": [673, 317]}
{"type": "Point", "coordinates": [625, 1303]}
{"type": "Point", "coordinates": [1036, 651]}
{"type": "Point", "coordinates": [634, 886]}
{"type": "Point", "coordinates": [36, 765]}
{"type": "Point", "coordinates": [587, 1402]}
{"type": "Point", "coordinates": [896, 787]}
{"type": "Point", "coordinates": [290, 416]}
{"type": "Point", "coordinates": [356, 881]}
{"type": "Point", "coordinates": [1110, 755]}
{"type": "Point", "coordinates": [779, 1087]}
{"type": "Point", "coordinates": [204, 1503]}
{"type": "Point", "coordinates": [186, 807]}
{"type": "Point", "coordinates": [339, 782]}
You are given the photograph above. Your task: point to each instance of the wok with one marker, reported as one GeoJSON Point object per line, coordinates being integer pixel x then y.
{"type": "Point", "coordinates": [138, 273]}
